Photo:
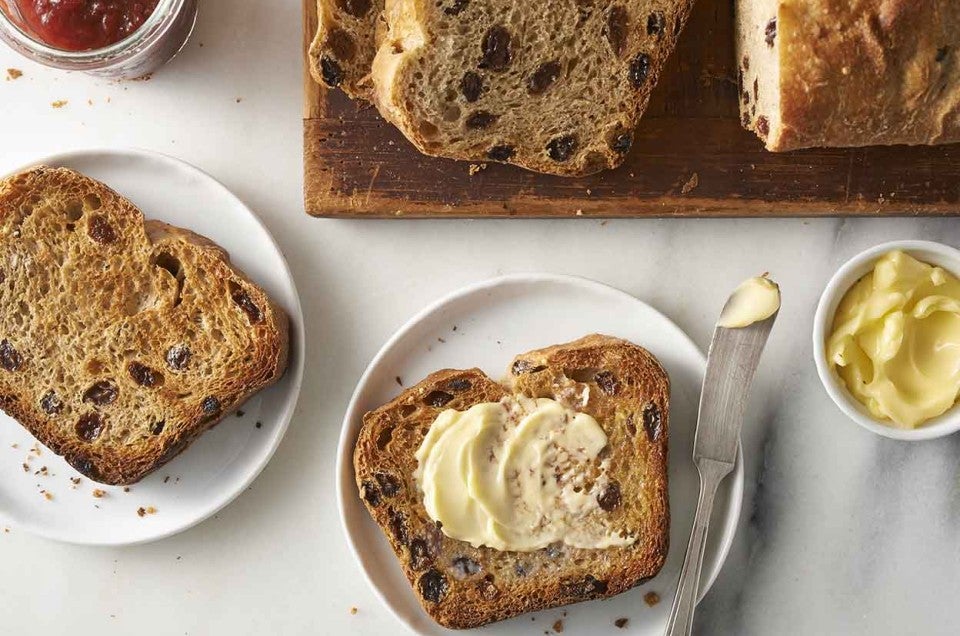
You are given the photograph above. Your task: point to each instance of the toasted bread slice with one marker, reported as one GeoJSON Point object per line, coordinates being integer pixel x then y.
{"type": "Point", "coordinates": [342, 51]}
{"type": "Point", "coordinates": [121, 340]}
{"type": "Point", "coordinates": [623, 387]}
{"type": "Point", "coordinates": [556, 87]}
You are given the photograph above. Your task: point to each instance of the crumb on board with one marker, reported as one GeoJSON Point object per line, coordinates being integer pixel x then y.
{"type": "Point", "coordinates": [558, 626]}
{"type": "Point", "coordinates": [14, 73]}
{"type": "Point", "coordinates": [621, 622]}
{"type": "Point", "coordinates": [651, 598]}
{"type": "Point", "coordinates": [353, 611]}
{"type": "Point", "coordinates": [60, 103]}
{"type": "Point", "coordinates": [475, 168]}
{"type": "Point", "coordinates": [98, 494]}
{"type": "Point", "coordinates": [691, 183]}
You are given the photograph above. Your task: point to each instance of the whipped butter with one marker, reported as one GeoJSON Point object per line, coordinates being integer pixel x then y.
{"type": "Point", "coordinates": [895, 341]}
{"type": "Point", "coordinates": [518, 475]}
{"type": "Point", "coordinates": [754, 300]}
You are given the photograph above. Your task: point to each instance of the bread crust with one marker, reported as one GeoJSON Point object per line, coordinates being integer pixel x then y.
{"type": "Point", "coordinates": [566, 98]}
{"type": "Point", "coordinates": [856, 73]}
{"type": "Point", "coordinates": [341, 54]}
{"type": "Point", "coordinates": [93, 299]}
{"type": "Point", "coordinates": [624, 383]}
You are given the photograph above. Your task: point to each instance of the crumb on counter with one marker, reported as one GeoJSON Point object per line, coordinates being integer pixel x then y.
{"type": "Point", "coordinates": [126, 489]}
{"type": "Point", "coordinates": [14, 445]}
{"type": "Point", "coordinates": [144, 511]}
{"type": "Point", "coordinates": [97, 493]}
{"type": "Point", "coordinates": [353, 611]}
{"type": "Point", "coordinates": [399, 380]}
{"type": "Point", "coordinates": [47, 495]}
{"type": "Point", "coordinates": [14, 73]}
{"type": "Point", "coordinates": [258, 425]}
{"type": "Point", "coordinates": [240, 413]}
{"type": "Point", "coordinates": [60, 103]}
{"type": "Point", "coordinates": [621, 622]}
{"type": "Point", "coordinates": [651, 598]}
{"type": "Point", "coordinates": [558, 626]}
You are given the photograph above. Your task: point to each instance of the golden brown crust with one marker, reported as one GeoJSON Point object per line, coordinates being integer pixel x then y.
{"type": "Point", "coordinates": [860, 73]}
{"type": "Point", "coordinates": [461, 586]}
{"type": "Point", "coordinates": [129, 338]}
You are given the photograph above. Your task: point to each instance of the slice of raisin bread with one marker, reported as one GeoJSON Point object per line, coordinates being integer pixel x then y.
{"type": "Point", "coordinates": [556, 87]}
{"type": "Point", "coordinates": [347, 36]}
{"type": "Point", "coordinates": [121, 340]}
{"type": "Point", "coordinates": [623, 387]}
{"type": "Point", "coordinates": [849, 73]}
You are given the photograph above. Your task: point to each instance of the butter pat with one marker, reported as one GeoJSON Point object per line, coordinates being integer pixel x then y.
{"type": "Point", "coordinates": [895, 341]}
{"type": "Point", "coordinates": [754, 300]}
{"type": "Point", "coordinates": [516, 475]}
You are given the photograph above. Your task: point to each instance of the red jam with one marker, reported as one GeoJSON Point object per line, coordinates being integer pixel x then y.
{"type": "Point", "coordinates": [84, 25]}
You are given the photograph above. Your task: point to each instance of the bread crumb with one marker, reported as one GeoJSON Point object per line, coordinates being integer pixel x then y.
{"type": "Point", "coordinates": [6, 530]}
{"type": "Point", "coordinates": [152, 511]}
{"type": "Point", "coordinates": [26, 468]}
{"type": "Point", "coordinates": [558, 626]}
{"type": "Point", "coordinates": [691, 183]}
{"type": "Point", "coordinates": [258, 425]}
{"type": "Point", "coordinates": [97, 493]}
{"type": "Point", "coordinates": [60, 103]}
{"type": "Point", "coordinates": [651, 598]}
{"type": "Point", "coordinates": [35, 449]}
{"type": "Point", "coordinates": [239, 99]}
{"type": "Point", "coordinates": [475, 168]}
{"type": "Point", "coordinates": [47, 495]}
{"type": "Point", "coordinates": [399, 381]}
{"type": "Point", "coordinates": [14, 73]}
{"type": "Point", "coordinates": [579, 212]}
{"type": "Point", "coordinates": [166, 479]}
{"type": "Point", "coordinates": [353, 611]}
{"type": "Point", "coordinates": [14, 445]}
{"type": "Point", "coordinates": [621, 622]}
{"type": "Point", "coordinates": [75, 480]}
{"type": "Point", "coordinates": [589, 191]}
{"type": "Point", "coordinates": [126, 489]}
{"type": "Point", "coordinates": [143, 512]}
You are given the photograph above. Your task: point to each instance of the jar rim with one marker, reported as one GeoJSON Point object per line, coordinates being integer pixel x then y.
{"type": "Point", "coordinates": [165, 10]}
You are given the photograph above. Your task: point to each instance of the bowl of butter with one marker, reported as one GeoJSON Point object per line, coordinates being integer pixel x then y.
{"type": "Point", "coordinates": [886, 339]}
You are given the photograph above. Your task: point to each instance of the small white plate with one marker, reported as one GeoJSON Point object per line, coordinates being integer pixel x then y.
{"type": "Point", "coordinates": [225, 460]}
{"type": "Point", "coordinates": [485, 325]}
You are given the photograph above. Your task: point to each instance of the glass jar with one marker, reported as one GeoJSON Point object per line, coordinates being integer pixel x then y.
{"type": "Point", "coordinates": [148, 48]}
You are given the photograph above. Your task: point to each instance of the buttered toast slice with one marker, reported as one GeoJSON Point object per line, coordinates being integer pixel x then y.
{"type": "Point", "coordinates": [121, 340]}
{"type": "Point", "coordinates": [619, 384]}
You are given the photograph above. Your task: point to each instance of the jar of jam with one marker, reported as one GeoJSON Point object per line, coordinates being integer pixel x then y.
{"type": "Point", "coordinates": [118, 39]}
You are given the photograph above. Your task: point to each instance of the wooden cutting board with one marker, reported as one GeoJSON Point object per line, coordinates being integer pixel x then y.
{"type": "Point", "coordinates": [690, 158]}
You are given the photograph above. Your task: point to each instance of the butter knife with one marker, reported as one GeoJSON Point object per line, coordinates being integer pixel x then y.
{"type": "Point", "coordinates": [731, 363]}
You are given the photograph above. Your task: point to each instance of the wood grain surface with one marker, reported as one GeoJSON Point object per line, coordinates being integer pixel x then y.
{"type": "Point", "coordinates": [690, 158]}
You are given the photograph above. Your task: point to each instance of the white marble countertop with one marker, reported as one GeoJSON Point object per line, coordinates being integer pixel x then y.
{"type": "Point", "coordinates": [842, 532]}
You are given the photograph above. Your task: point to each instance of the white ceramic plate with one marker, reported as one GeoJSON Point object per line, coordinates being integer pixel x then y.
{"type": "Point", "coordinates": [223, 462]}
{"type": "Point", "coordinates": [485, 325]}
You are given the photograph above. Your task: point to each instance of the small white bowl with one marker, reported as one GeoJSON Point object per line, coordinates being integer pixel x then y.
{"type": "Point", "coordinates": [853, 270]}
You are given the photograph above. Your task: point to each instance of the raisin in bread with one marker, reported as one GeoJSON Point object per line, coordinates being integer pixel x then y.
{"type": "Point", "coordinates": [623, 387]}
{"type": "Point", "coordinates": [342, 51]}
{"type": "Point", "coordinates": [849, 72]}
{"type": "Point", "coordinates": [121, 340]}
{"type": "Point", "coordinates": [556, 87]}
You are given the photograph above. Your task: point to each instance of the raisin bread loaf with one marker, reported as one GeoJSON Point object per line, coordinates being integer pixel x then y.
{"type": "Point", "coordinates": [342, 51]}
{"type": "Point", "coordinates": [556, 87]}
{"type": "Point", "coordinates": [619, 384]}
{"type": "Point", "coordinates": [849, 72]}
{"type": "Point", "coordinates": [121, 340]}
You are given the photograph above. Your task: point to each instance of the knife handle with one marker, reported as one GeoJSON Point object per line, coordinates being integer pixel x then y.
{"type": "Point", "coordinates": [712, 473]}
